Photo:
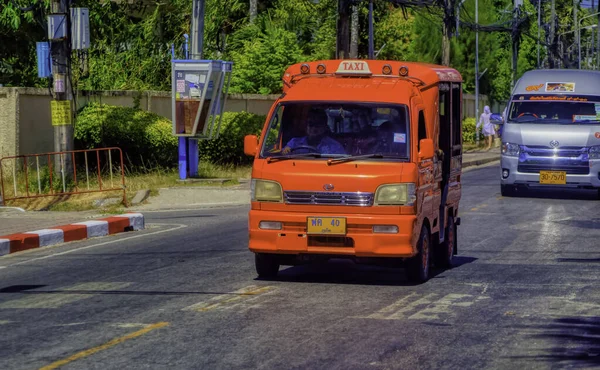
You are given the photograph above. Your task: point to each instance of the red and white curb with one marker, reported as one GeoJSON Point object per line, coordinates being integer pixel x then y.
{"type": "Point", "coordinates": [68, 233]}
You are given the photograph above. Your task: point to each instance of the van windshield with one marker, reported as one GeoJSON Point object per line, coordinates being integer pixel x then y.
{"type": "Point", "coordinates": [314, 130]}
{"type": "Point", "coordinates": [555, 109]}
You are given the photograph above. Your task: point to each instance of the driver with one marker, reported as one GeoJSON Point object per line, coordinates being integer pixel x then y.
{"type": "Point", "coordinates": [317, 138]}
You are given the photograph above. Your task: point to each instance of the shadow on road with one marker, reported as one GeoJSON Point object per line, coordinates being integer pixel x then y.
{"type": "Point", "coordinates": [340, 271]}
{"type": "Point", "coordinates": [575, 342]}
{"type": "Point", "coordinates": [564, 194]}
{"type": "Point", "coordinates": [594, 223]}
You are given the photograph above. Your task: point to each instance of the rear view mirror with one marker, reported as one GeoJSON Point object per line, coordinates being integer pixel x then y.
{"type": "Point", "coordinates": [250, 145]}
{"type": "Point", "coordinates": [426, 149]}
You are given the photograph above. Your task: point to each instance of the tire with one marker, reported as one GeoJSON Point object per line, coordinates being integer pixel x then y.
{"type": "Point", "coordinates": [267, 265]}
{"type": "Point", "coordinates": [598, 195]}
{"type": "Point", "coordinates": [507, 190]}
{"type": "Point", "coordinates": [418, 266]}
{"type": "Point", "coordinates": [445, 251]}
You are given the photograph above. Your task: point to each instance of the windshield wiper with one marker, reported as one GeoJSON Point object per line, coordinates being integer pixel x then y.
{"type": "Point", "coordinates": [292, 156]}
{"type": "Point", "coordinates": [362, 156]}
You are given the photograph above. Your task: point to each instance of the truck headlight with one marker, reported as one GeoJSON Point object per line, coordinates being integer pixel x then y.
{"type": "Point", "coordinates": [511, 150]}
{"type": "Point", "coordinates": [594, 152]}
{"type": "Point", "coordinates": [395, 195]}
{"type": "Point", "coordinates": [266, 191]}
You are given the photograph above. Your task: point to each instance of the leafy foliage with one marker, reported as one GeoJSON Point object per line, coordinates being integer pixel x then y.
{"type": "Point", "coordinates": [228, 148]}
{"type": "Point", "coordinates": [145, 138]}
{"type": "Point", "coordinates": [131, 40]}
{"type": "Point", "coordinates": [468, 133]}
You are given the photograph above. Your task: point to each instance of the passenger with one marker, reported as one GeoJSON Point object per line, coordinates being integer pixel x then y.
{"type": "Point", "coordinates": [316, 139]}
{"type": "Point", "coordinates": [391, 139]}
{"type": "Point", "coordinates": [385, 139]}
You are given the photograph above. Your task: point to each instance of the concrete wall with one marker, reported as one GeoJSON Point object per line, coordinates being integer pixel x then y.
{"type": "Point", "coordinates": [9, 113]}
{"type": "Point", "coordinates": [25, 121]}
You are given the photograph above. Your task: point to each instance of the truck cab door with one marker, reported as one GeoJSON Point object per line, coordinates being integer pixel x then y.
{"type": "Point", "coordinates": [425, 165]}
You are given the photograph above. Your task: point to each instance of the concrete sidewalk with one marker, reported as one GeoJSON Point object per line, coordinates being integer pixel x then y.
{"type": "Point", "coordinates": [480, 157]}
{"type": "Point", "coordinates": [13, 221]}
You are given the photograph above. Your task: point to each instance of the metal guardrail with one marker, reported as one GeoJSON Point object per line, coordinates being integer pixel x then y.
{"type": "Point", "coordinates": [101, 164]}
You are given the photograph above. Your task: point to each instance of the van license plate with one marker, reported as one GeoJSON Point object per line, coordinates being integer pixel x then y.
{"type": "Point", "coordinates": [326, 225]}
{"type": "Point", "coordinates": [553, 177]}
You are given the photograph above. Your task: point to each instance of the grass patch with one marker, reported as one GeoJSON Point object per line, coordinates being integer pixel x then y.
{"type": "Point", "coordinates": [153, 181]}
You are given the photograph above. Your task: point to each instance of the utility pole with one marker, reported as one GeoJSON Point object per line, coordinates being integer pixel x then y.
{"type": "Point", "coordinates": [343, 29]}
{"type": "Point", "coordinates": [446, 31]}
{"type": "Point", "coordinates": [371, 36]}
{"type": "Point", "coordinates": [197, 30]}
{"type": "Point", "coordinates": [578, 35]}
{"type": "Point", "coordinates": [477, 65]}
{"type": "Point", "coordinates": [539, 3]}
{"type": "Point", "coordinates": [553, 45]}
{"type": "Point", "coordinates": [354, 33]}
{"type": "Point", "coordinates": [62, 106]}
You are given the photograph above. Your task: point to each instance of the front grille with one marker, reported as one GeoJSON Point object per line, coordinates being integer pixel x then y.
{"type": "Point", "coordinates": [358, 199]}
{"type": "Point", "coordinates": [570, 159]}
{"type": "Point", "coordinates": [562, 152]}
{"type": "Point", "coordinates": [570, 170]}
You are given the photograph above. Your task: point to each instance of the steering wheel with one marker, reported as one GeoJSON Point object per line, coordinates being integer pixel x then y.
{"type": "Point", "coordinates": [312, 148]}
{"type": "Point", "coordinates": [527, 114]}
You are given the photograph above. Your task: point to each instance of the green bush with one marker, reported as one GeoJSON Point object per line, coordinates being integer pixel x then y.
{"type": "Point", "coordinates": [145, 138]}
{"type": "Point", "coordinates": [468, 128]}
{"type": "Point", "coordinates": [228, 148]}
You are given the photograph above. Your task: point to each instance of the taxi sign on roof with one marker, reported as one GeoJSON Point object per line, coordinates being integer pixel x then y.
{"type": "Point", "coordinates": [353, 67]}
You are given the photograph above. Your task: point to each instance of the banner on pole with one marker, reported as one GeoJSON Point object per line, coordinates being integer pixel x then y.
{"type": "Point", "coordinates": [61, 112]}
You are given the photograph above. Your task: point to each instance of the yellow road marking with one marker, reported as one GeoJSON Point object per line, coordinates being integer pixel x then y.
{"type": "Point", "coordinates": [243, 295]}
{"type": "Point", "coordinates": [104, 346]}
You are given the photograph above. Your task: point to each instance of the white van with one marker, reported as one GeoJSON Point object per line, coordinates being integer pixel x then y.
{"type": "Point", "coordinates": [551, 137]}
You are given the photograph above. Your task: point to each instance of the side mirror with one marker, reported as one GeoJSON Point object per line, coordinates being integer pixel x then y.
{"type": "Point", "coordinates": [426, 149]}
{"type": "Point", "coordinates": [250, 145]}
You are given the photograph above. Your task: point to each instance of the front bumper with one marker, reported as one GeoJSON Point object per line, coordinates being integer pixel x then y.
{"type": "Point", "coordinates": [360, 241]}
{"type": "Point", "coordinates": [590, 180]}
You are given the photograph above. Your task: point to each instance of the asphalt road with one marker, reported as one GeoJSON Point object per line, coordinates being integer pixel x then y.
{"type": "Point", "coordinates": [183, 294]}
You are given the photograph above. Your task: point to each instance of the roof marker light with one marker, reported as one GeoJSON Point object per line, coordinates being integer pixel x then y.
{"type": "Point", "coordinates": [305, 69]}
{"type": "Point", "coordinates": [387, 69]}
{"type": "Point", "coordinates": [404, 71]}
{"type": "Point", "coordinates": [321, 69]}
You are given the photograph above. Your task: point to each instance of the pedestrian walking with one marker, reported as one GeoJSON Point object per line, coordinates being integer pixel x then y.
{"type": "Point", "coordinates": [488, 128]}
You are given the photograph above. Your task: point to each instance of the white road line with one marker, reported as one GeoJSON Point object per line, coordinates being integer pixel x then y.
{"type": "Point", "coordinates": [178, 226]}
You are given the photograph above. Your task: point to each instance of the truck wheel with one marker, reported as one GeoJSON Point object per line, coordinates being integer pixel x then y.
{"type": "Point", "coordinates": [445, 252]}
{"type": "Point", "coordinates": [507, 190]}
{"type": "Point", "coordinates": [267, 265]}
{"type": "Point", "coordinates": [418, 266]}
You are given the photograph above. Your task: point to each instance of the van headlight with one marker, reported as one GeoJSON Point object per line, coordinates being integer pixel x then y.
{"type": "Point", "coordinates": [266, 191]}
{"type": "Point", "coordinates": [594, 152]}
{"type": "Point", "coordinates": [395, 195]}
{"type": "Point", "coordinates": [511, 150]}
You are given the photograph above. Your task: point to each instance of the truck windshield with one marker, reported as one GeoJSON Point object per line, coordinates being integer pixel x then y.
{"type": "Point", "coordinates": [566, 109]}
{"type": "Point", "coordinates": [317, 130]}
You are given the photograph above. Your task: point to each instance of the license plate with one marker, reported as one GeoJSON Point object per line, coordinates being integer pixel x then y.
{"type": "Point", "coordinates": [553, 177]}
{"type": "Point", "coordinates": [326, 225]}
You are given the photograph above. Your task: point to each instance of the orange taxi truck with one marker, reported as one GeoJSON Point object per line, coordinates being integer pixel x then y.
{"type": "Point", "coordinates": [359, 159]}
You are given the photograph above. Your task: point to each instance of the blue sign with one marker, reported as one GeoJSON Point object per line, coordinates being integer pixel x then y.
{"type": "Point", "coordinates": [44, 62]}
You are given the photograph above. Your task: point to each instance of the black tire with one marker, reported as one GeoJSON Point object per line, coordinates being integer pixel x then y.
{"type": "Point", "coordinates": [507, 190]}
{"type": "Point", "coordinates": [267, 265]}
{"type": "Point", "coordinates": [419, 266]}
{"type": "Point", "coordinates": [445, 251]}
{"type": "Point", "coordinates": [598, 196]}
